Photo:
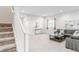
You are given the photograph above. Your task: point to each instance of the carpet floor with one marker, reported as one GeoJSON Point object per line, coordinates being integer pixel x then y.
{"type": "Point", "coordinates": [42, 43]}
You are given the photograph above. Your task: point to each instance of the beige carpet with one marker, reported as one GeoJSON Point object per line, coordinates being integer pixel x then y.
{"type": "Point", "coordinates": [42, 43]}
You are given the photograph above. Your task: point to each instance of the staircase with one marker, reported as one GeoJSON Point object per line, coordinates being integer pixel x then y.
{"type": "Point", "coordinates": [7, 40]}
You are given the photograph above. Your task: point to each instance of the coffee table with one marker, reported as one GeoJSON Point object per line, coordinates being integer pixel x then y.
{"type": "Point", "coordinates": [56, 37]}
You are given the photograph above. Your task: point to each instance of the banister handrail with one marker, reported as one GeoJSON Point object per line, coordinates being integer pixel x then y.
{"type": "Point", "coordinates": [20, 22]}
{"type": "Point", "coordinates": [22, 27]}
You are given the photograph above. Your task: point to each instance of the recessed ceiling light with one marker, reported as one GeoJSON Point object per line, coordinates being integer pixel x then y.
{"type": "Point", "coordinates": [61, 11]}
{"type": "Point", "coordinates": [22, 11]}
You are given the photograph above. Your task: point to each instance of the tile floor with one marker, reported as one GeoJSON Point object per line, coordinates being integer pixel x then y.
{"type": "Point", "coordinates": [42, 43]}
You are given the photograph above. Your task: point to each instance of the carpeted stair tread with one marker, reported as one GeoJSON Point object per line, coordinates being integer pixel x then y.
{"type": "Point", "coordinates": [5, 47]}
{"type": "Point", "coordinates": [7, 40]}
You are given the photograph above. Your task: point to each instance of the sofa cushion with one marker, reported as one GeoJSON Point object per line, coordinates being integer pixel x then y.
{"type": "Point", "coordinates": [75, 37]}
{"type": "Point", "coordinates": [76, 33]}
{"type": "Point", "coordinates": [69, 31]}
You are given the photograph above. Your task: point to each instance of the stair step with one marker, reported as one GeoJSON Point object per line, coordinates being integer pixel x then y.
{"type": "Point", "coordinates": [10, 50]}
{"type": "Point", "coordinates": [8, 41]}
{"type": "Point", "coordinates": [5, 25]}
{"type": "Point", "coordinates": [5, 29]}
{"type": "Point", "coordinates": [7, 47]}
{"type": "Point", "coordinates": [6, 34]}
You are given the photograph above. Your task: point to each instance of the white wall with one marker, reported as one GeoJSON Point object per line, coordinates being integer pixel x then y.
{"type": "Point", "coordinates": [63, 18]}
{"type": "Point", "coordinates": [28, 23]}
{"type": "Point", "coordinates": [5, 14]}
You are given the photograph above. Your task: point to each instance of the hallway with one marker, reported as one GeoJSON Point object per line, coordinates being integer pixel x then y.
{"type": "Point", "coordinates": [41, 43]}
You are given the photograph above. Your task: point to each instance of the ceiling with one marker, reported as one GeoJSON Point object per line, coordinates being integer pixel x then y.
{"type": "Point", "coordinates": [46, 10]}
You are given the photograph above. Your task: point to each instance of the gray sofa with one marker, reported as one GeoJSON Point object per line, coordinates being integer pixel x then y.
{"type": "Point", "coordinates": [68, 33]}
{"type": "Point", "coordinates": [72, 43]}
